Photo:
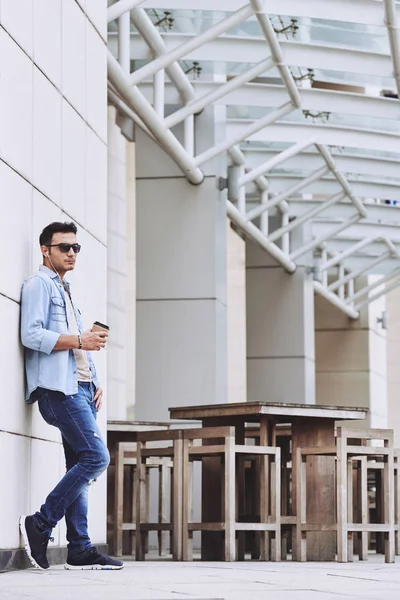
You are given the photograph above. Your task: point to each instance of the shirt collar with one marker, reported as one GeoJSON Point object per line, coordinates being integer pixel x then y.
{"type": "Point", "coordinates": [54, 275]}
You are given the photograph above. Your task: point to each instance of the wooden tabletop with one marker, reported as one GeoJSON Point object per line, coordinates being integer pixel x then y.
{"type": "Point", "coordinates": [135, 426]}
{"type": "Point", "coordinates": [279, 411]}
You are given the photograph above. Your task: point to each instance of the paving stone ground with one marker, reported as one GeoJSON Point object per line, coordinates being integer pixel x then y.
{"type": "Point", "coordinates": [165, 580]}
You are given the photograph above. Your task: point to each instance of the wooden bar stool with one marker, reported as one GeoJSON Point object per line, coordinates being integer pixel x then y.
{"type": "Point", "coordinates": [163, 448]}
{"type": "Point", "coordinates": [282, 439]}
{"type": "Point", "coordinates": [351, 445]}
{"type": "Point", "coordinates": [126, 456]}
{"type": "Point", "coordinates": [199, 444]}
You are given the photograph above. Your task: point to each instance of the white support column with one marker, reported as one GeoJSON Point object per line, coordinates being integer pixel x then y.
{"type": "Point", "coordinates": [280, 331]}
{"type": "Point", "coordinates": [181, 281]}
{"type": "Point", "coordinates": [351, 358]}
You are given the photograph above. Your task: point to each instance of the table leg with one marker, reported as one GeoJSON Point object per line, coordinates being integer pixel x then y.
{"type": "Point", "coordinates": [321, 546]}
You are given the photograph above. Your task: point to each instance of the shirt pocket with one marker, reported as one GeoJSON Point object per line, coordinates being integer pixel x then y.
{"type": "Point", "coordinates": [58, 311]}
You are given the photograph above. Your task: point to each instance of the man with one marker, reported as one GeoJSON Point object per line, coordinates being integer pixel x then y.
{"type": "Point", "coordinates": [61, 377]}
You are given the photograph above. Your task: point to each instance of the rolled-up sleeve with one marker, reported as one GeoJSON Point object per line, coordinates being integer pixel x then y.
{"type": "Point", "coordinates": [35, 301]}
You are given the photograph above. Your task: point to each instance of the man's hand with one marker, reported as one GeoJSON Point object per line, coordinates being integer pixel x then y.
{"type": "Point", "coordinates": [98, 399]}
{"type": "Point", "coordinates": [94, 340]}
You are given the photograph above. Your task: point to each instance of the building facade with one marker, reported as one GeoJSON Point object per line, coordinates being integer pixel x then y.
{"type": "Point", "coordinates": [234, 177]}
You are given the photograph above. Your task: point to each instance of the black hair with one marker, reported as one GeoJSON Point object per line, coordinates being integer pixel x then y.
{"type": "Point", "coordinates": [48, 232]}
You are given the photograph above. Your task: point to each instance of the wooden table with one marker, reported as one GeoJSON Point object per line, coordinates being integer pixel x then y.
{"type": "Point", "coordinates": [312, 426]}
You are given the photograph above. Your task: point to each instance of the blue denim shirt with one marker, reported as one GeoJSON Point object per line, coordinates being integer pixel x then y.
{"type": "Point", "coordinates": [43, 319]}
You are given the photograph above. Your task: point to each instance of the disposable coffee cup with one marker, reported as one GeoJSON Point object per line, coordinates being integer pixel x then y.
{"type": "Point", "coordinates": [97, 326]}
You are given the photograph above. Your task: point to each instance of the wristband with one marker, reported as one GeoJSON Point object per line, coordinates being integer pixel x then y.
{"type": "Point", "coordinates": [79, 342]}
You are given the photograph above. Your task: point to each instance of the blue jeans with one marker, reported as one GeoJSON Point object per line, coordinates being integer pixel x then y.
{"type": "Point", "coordinates": [86, 457]}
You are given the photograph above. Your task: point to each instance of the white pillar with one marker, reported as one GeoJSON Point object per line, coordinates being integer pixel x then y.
{"type": "Point", "coordinates": [181, 282]}
{"type": "Point", "coordinates": [351, 360]}
{"type": "Point", "coordinates": [280, 331]}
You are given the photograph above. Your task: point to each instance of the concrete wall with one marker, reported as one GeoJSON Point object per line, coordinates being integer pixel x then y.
{"type": "Point", "coordinates": [53, 165]}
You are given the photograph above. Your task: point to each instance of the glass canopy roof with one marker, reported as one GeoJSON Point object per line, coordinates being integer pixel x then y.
{"type": "Point", "coordinates": [359, 90]}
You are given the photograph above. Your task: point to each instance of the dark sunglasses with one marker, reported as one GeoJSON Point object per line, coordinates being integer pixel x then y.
{"type": "Point", "coordinates": [65, 248]}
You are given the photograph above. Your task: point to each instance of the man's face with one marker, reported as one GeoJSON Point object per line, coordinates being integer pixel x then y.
{"type": "Point", "coordinates": [62, 261]}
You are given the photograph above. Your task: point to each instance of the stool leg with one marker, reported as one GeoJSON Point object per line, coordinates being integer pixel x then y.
{"type": "Point", "coordinates": [341, 465]}
{"type": "Point", "coordinates": [301, 506]}
{"type": "Point", "coordinates": [134, 505]}
{"type": "Point", "coordinates": [147, 509]}
{"type": "Point", "coordinates": [276, 508]}
{"type": "Point", "coordinates": [363, 487]}
{"type": "Point", "coordinates": [141, 501]}
{"type": "Point", "coordinates": [350, 536]}
{"type": "Point", "coordinates": [162, 506]}
{"type": "Point", "coordinates": [177, 510]}
{"type": "Point", "coordinates": [264, 490]}
{"type": "Point", "coordinates": [389, 507]}
{"type": "Point", "coordinates": [119, 501]}
{"type": "Point", "coordinates": [186, 502]}
{"type": "Point", "coordinates": [240, 491]}
{"type": "Point", "coordinates": [397, 505]}
{"type": "Point", "coordinates": [230, 499]}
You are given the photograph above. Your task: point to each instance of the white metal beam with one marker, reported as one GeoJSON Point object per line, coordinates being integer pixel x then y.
{"type": "Point", "coordinates": [309, 160]}
{"type": "Point", "coordinates": [386, 290]}
{"type": "Point", "coordinates": [276, 160]}
{"type": "Point", "coordinates": [148, 115]}
{"type": "Point", "coordinates": [307, 216]}
{"type": "Point", "coordinates": [121, 7]}
{"type": "Point", "coordinates": [255, 94]}
{"type": "Point", "coordinates": [330, 233]}
{"type": "Point", "coordinates": [391, 14]}
{"type": "Point", "coordinates": [287, 193]}
{"type": "Point", "coordinates": [249, 50]}
{"type": "Point", "coordinates": [330, 135]}
{"type": "Point", "coordinates": [367, 12]}
{"type": "Point", "coordinates": [335, 300]}
{"type": "Point", "coordinates": [244, 133]}
{"type": "Point", "coordinates": [194, 42]}
{"type": "Point", "coordinates": [354, 274]}
{"type": "Point", "coordinates": [369, 288]}
{"type": "Point", "coordinates": [220, 91]}
{"type": "Point", "coordinates": [259, 7]}
{"type": "Point", "coordinates": [364, 189]}
{"type": "Point", "coordinates": [256, 235]}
